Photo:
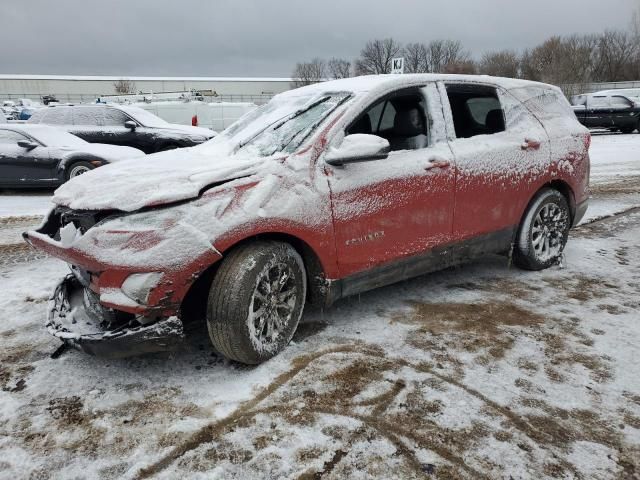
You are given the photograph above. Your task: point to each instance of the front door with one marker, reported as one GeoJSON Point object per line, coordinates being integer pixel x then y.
{"type": "Point", "coordinates": [399, 208]}
{"type": "Point", "coordinates": [22, 166]}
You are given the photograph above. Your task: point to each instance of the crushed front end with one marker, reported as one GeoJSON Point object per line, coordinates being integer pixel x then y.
{"type": "Point", "coordinates": [129, 275]}
{"type": "Point", "coordinates": [76, 317]}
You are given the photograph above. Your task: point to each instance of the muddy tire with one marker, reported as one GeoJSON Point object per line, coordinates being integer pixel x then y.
{"type": "Point", "coordinates": [256, 301]}
{"type": "Point", "coordinates": [544, 231]}
{"type": "Point", "coordinates": [76, 169]}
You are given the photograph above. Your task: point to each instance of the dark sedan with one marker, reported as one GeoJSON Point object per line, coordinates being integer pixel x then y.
{"type": "Point", "coordinates": [121, 125]}
{"type": "Point", "coordinates": [42, 156]}
{"type": "Point", "coordinates": [616, 113]}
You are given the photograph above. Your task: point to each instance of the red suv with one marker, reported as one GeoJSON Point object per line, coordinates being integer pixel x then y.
{"type": "Point", "coordinates": [326, 191]}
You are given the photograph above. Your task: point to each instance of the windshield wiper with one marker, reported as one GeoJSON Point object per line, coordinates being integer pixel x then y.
{"type": "Point", "coordinates": [313, 126]}
{"type": "Point", "coordinates": [280, 122]}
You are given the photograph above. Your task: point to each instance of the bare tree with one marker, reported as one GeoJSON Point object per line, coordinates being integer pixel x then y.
{"type": "Point", "coordinates": [416, 58]}
{"type": "Point", "coordinates": [617, 50]}
{"type": "Point", "coordinates": [442, 55]}
{"type": "Point", "coordinates": [375, 57]}
{"type": "Point", "coordinates": [124, 87]}
{"type": "Point", "coordinates": [505, 63]}
{"type": "Point", "coordinates": [462, 67]}
{"type": "Point", "coordinates": [339, 68]}
{"type": "Point", "coordinates": [307, 73]}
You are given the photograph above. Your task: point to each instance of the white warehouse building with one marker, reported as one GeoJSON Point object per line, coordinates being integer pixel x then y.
{"type": "Point", "coordinates": [78, 89]}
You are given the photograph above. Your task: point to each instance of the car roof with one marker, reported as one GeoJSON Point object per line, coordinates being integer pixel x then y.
{"type": "Point", "coordinates": [370, 83]}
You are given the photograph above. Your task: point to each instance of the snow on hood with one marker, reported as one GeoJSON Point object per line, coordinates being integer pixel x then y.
{"type": "Point", "coordinates": [205, 132]}
{"type": "Point", "coordinates": [110, 153]}
{"type": "Point", "coordinates": [154, 179]}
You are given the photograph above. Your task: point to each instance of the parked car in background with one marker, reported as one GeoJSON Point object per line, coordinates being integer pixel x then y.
{"type": "Point", "coordinates": [327, 191]}
{"type": "Point", "coordinates": [43, 156]}
{"type": "Point", "coordinates": [121, 125]}
{"type": "Point", "coordinates": [3, 118]}
{"type": "Point", "coordinates": [615, 112]}
{"type": "Point", "coordinates": [216, 116]}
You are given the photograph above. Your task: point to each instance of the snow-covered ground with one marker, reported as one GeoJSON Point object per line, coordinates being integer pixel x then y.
{"type": "Point", "coordinates": [482, 371]}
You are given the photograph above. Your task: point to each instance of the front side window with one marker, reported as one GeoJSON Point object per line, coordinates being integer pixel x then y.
{"type": "Point", "coordinates": [8, 137]}
{"type": "Point", "coordinates": [620, 102]}
{"type": "Point", "coordinates": [400, 119]}
{"type": "Point", "coordinates": [476, 110]}
{"type": "Point", "coordinates": [88, 116]}
{"type": "Point", "coordinates": [114, 118]}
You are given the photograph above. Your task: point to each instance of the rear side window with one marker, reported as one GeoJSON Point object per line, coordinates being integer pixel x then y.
{"type": "Point", "coordinates": [114, 117]}
{"type": "Point", "coordinates": [599, 102]}
{"type": "Point", "coordinates": [88, 116]}
{"type": "Point", "coordinates": [476, 110]}
{"type": "Point", "coordinates": [58, 116]}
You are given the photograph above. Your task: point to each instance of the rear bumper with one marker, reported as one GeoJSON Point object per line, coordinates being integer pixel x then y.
{"type": "Point", "coordinates": [581, 210]}
{"type": "Point", "coordinates": [78, 319]}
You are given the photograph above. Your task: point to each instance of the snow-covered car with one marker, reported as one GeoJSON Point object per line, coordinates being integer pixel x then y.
{"type": "Point", "coordinates": [121, 125]}
{"type": "Point", "coordinates": [326, 191]}
{"type": "Point", "coordinates": [615, 112]}
{"type": "Point", "coordinates": [42, 156]}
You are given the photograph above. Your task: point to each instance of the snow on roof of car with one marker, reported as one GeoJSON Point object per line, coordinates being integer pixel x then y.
{"type": "Point", "coordinates": [369, 83]}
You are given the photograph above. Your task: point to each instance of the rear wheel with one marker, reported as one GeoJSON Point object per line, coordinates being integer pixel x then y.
{"type": "Point", "coordinates": [627, 130]}
{"type": "Point", "coordinates": [78, 168]}
{"type": "Point", "coordinates": [544, 231]}
{"type": "Point", "coordinates": [256, 301]}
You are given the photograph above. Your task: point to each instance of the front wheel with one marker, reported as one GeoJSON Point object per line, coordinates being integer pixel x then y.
{"type": "Point", "coordinates": [544, 231]}
{"type": "Point", "coordinates": [256, 301]}
{"type": "Point", "coordinates": [78, 168]}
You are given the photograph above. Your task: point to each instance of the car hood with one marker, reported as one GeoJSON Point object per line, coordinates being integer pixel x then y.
{"type": "Point", "coordinates": [110, 153]}
{"type": "Point", "coordinates": [153, 180]}
{"type": "Point", "coordinates": [205, 132]}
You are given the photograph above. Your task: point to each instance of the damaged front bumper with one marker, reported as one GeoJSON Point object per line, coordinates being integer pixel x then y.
{"type": "Point", "coordinates": [78, 319]}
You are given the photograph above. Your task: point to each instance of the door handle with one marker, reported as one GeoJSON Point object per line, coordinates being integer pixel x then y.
{"type": "Point", "coordinates": [437, 162]}
{"type": "Point", "coordinates": [530, 144]}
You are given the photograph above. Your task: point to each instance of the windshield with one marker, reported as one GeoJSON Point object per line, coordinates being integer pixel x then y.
{"type": "Point", "coordinates": [51, 137]}
{"type": "Point", "coordinates": [284, 123]}
{"type": "Point", "coordinates": [146, 119]}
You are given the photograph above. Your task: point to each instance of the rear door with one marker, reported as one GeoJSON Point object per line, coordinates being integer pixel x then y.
{"type": "Point", "coordinates": [399, 208]}
{"type": "Point", "coordinates": [502, 157]}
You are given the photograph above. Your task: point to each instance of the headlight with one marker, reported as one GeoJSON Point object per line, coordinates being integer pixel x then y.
{"type": "Point", "coordinates": [138, 286]}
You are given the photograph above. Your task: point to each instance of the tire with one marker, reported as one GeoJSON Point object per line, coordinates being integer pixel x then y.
{"type": "Point", "coordinates": [544, 231]}
{"type": "Point", "coordinates": [76, 169]}
{"type": "Point", "coordinates": [244, 286]}
{"type": "Point", "coordinates": [627, 131]}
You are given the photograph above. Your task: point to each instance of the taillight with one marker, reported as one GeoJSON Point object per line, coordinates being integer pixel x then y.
{"type": "Point", "coordinates": [194, 121]}
{"type": "Point", "coordinates": [587, 141]}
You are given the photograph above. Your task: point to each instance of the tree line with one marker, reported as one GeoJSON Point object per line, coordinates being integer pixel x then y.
{"type": "Point", "coordinates": [568, 61]}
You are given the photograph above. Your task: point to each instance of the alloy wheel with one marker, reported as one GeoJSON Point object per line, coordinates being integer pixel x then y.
{"type": "Point", "coordinates": [548, 232]}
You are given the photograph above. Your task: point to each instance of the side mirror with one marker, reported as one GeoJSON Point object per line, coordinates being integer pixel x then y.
{"type": "Point", "coordinates": [131, 125]}
{"type": "Point", "coordinates": [359, 147]}
{"type": "Point", "coordinates": [27, 144]}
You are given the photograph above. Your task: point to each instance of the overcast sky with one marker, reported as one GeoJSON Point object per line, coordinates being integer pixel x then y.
{"type": "Point", "coordinates": [266, 38]}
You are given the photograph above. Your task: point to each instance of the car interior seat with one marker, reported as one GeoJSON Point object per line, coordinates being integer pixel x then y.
{"type": "Point", "coordinates": [409, 131]}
